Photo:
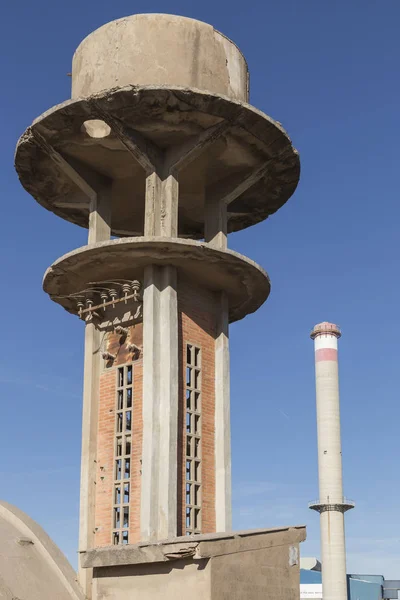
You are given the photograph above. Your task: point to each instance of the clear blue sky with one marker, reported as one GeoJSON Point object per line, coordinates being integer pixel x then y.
{"type": "Point", "coordinates": [329, 72]}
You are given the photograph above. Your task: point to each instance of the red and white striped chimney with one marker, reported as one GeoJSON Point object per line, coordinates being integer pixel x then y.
{"type": "Point", "coordinates": [331, 504]}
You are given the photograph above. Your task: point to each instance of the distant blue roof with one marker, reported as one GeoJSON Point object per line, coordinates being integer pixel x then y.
{"type": "Point", "coordinates": [307, 576]}
{"type": "Point", "coordinates": [364, 590]}
{"type": "Point", "coordinates": [361, 587]}
{"type": "Point", "coordinates": [371, 578]}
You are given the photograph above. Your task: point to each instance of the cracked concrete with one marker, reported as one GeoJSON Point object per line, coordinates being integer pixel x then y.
{"type": "Point", "coordinates": [241, 566]}
{"type": "Point", "coordinates": [167, 117]}
{"type": "Point", "coordinates": [245, 283]}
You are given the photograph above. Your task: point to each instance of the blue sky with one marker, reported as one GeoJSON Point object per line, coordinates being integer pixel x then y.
{"type": "Point", "coordinates": [328, 71]}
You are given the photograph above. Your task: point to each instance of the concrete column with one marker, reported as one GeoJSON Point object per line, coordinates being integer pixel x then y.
{"type": "Point", "coordinates": [152, 211]}
{"type": "Point", "coordinates": [161, 205]}
{"type": "Point", "coordinates": [331, 503]}
{"type": "Point", "coordinates": [89, 450]}
{"type": "Point", "coordinates": [215, 233]}
{"type": "Point", "coordinates": [223, 483]}
{"type": "Point", "coordinates": [99, 230]}
{"type": "Point", "coordinates": [150, 403]}
{"type": "Point", "coordinates": [158, 515]}
{"type": "Point", "coordinates": [169, 206]}
{"type": "Point", "coordinates": [100, 216]}
{"type": "Point", "coordinates": [169, 395]}
{"type": "Point", "coordinates": [215, 223]}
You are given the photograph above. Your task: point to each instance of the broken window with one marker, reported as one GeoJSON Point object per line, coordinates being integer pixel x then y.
{"type": "Point", "coordinates": [123, 449]}
{"type": "Point", "coordinates": [193, 440]}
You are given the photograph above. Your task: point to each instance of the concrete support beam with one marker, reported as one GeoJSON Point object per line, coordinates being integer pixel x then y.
{"type": "Point", "coordinates": [181, 156]}
{"type": "Point", "coordinates": [64, 165]}
{"type": "Point", "coordinates": [162, 183]}
{"type": "Point", "coordinates": [100, 216]}
{"type": "Point", "coordinates": [143, 151]}
{"type": "Point", "coordinates": [98, 201]}
{"type": "Point", "coordinates": [230, 189]}
{"type": "Point", "coordinates": [160, 404]}
{"type": "Point", "coordinates": [223, 485]}
{"type": "Point", "coordinates": [161, 205]}
{"type": "Point", "coordinates": [162, 187]}
{"type": "Point", "coordinates": [247, 183]}
{"type": "Point", "coordinates": [215, 223]}
{"type": "Point", "coordinates": [89, 451]}
{"type": "Point", "coordinates": [79, 205]}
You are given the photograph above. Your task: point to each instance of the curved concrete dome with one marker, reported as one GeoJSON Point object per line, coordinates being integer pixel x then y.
{"type": "Point", "coordinates": [31, 565]}
{"type": "Point", "coordinates": [157, 49]}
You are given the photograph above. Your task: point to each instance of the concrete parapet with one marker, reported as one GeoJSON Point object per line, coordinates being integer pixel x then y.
{"type": "Point", "coordinates": [246, 565]}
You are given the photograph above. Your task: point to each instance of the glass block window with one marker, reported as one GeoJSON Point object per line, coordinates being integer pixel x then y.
{"type": "Point", "coordinates": [122, 455]}
{"type": "Point", "coordinates": [193, 440]}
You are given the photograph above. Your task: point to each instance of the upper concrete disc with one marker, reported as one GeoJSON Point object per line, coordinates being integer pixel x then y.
{"type": "Point", "coordinates": [166, 117]}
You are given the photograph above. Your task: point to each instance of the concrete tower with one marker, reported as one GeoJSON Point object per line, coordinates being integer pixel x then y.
{"type": "Point", "coordinates": [160, 156]}
{"type": "Point", "coordinates": [331, 504]}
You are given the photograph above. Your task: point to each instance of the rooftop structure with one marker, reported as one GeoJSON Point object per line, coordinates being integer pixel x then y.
{"type": "Point", "coordinates": [359, 586]}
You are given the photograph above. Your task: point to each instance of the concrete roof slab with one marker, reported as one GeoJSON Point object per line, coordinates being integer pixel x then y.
{"type": "Point", "coordinates": [246, 283]}
{"type": "Point", "coordinates": [165, 117]}
{"type": "Point", "coordinates": [195, 546]}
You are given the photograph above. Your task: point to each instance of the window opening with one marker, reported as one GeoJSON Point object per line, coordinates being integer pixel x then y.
{"type": "Point", "coordinates": [122, 455]}
{"type": "Point", "coordinates": [193, 440]}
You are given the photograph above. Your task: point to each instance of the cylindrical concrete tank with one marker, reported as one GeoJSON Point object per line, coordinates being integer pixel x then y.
{"type": "Point", "coordinates": [160, 50]}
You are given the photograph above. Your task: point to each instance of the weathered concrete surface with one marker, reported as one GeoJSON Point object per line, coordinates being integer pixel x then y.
{"type": "Point", "coordinates": [223, 470]}
{"type": "Point", "coordinates": [252, 166]}
{"type": "Point", "coordinates": [159, 49]}
{"type": "Point", "coordinates": [251, 565]}
{"type": "Point", "coordinates": [245, 283]}
{"type": "Point", "coordinates": [204, 545]}
{"type": "Point", "coordinates": [159, 483]}
{"type": "Point", "coordinates": [99, 231]}
{"type": "Point", "coordinates": [161, 581]}
{"type": "Point", "coordinates": [89, 449]}
{"type": "Point", "coordinates": [31, 565]}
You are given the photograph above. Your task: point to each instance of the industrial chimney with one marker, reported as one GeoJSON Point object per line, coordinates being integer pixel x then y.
{"type": "Point", "coordinates": [331, 504]}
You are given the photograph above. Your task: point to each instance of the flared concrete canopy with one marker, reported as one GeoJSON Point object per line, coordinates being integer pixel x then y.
{"type": "Point", "coordinates": [246, 283]}
{"type": "Point", "coordinates": [252, 146]}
